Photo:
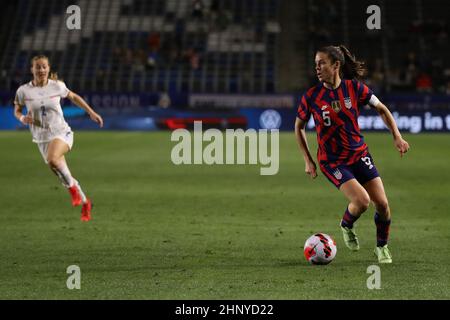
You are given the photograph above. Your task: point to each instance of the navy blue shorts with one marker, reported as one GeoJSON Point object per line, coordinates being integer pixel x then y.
{"type": "Point", "coordinates": [362, 170]}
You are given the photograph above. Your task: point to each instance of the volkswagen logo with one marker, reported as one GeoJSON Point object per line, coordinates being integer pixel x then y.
{"type": "Point", "coordinates": [270, 119]}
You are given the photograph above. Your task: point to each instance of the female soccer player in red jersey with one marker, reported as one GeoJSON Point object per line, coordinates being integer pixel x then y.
{"type": "Point", "coordinates": [343, 156]}
{"type": "Point", "coordinates": [49, 130]}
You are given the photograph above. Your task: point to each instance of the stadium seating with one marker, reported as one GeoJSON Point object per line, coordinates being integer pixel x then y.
{"type": "Point", "coordinates": [226, 46]}
{"type": "Point", "coordinates": [405, 33]}
{"type": "Point", "coordinates": [112, 50]}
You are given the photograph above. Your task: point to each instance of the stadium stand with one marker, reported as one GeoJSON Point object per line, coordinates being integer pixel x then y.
{"type": "Point", "coordinates": [398, 55]}
{"type": "Point", "coordinates": [177, 45]}
{"type": "Point", "coordinates": [224, 46]}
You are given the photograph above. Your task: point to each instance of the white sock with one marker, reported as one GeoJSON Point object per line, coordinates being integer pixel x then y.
{"type": "Point", "coordinates": [64, 175]}
{"type": "Point", "coordinates": [68, 181]}
{"type": "Point", "coordinates": [83, 196]}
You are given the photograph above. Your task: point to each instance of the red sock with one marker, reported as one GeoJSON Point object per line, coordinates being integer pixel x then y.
{"type": "Point", "coordinates": [382, 230]}
{"type": "Point", "coordinates": [348, 219]}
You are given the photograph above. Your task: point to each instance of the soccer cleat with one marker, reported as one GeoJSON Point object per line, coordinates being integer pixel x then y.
{"type": "Point", "coordinates": [76, 197]}
{"type": "Point", "coordinates": [383, 254]}
{"type": "Point", "coordinates": [350, 238]}
{"type": "Point", "coordinates": [86, 211]}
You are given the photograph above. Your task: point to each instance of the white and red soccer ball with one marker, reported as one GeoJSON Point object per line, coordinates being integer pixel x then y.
{"type": "Point", "coordinates": [320, 248]}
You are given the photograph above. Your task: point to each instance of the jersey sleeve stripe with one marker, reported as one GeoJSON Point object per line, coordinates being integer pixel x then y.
{"type": "Point", "coordinates": [364, 93]}
{"type": "Point", "coordinates": [302, 111]}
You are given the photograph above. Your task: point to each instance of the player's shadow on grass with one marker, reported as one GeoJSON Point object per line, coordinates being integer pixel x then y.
{"type": "Point", "coordinates": [354, 262]}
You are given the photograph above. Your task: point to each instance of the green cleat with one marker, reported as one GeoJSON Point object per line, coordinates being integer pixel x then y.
{"type": "Point", "coordinates": [350, 238]}
{"type": "Point", "coordinates": [383, 254]}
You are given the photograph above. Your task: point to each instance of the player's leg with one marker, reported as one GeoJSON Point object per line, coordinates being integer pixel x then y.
{"type": "Point", "coordinates": [343, 178]}
{"type": "Point", "coordinates": [87, 204]}
{"type": "Point", "coordinates": [375, 189]}
{"type": "Point", "coordinates": [382, 218]}
{"type": "Point", "coordinates": [358, 197]}
{"type": "Point", "coordinates": [358, 203]}
{"type": "Point", "coordinates": [76, 184]}
{"type": "Point", "coordinates": [57, 148]}
{"type": "Point", "coordinates": [55, 160]}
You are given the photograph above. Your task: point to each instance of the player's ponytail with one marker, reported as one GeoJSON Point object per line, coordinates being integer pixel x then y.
{"type": "Point", "coordinates": [350, 67]}
{"type": "Point", "coordinates": [53, 76]}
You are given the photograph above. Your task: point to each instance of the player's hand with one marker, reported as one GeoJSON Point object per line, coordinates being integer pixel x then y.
{"type": "Point", "coordinates": [310, 168]}
{"type": "Point", "coordinates": [97, 118]}
{"type": "Point", "coordinates": [401, 145]}
{"type": "Point", "coordinates": [26, 120]}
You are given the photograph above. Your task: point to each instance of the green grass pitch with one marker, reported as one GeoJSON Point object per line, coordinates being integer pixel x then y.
{"type": "Point", "coordinates": [161, 231]}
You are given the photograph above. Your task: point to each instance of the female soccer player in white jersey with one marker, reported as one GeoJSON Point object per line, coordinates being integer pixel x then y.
{"type": "Point", "coordinates": [48, 128]}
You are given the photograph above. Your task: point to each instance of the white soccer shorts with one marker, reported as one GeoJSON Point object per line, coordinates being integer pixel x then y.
{"type": "Point", "coordinates": [67, 138]}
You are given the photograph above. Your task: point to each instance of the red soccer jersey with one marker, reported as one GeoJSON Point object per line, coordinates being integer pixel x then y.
{"type": "Point", "coordinates": [335, 114]}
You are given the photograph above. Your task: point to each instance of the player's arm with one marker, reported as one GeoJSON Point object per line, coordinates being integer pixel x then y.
{"type": "Point", "coordinates": [401, 144]}
{"type": "Point", "coordinates": [79, 101]}
{"type": "Point", "coordinates": [18, 114]}
{"type": "Point", "coordinates": [300, 134]}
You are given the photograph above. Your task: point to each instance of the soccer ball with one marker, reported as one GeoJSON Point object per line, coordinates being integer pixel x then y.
{"type": "Point", "coordinates": [320, 248]}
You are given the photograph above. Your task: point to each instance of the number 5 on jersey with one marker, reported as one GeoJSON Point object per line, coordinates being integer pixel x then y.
{"type": "Point", "coordinates": [326, 116]}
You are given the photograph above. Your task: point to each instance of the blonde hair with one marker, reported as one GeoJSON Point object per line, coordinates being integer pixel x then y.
{"type": "Point", "coordinates": [52, 75]}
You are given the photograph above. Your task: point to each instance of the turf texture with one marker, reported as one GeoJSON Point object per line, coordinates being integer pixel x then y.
{"type": "Point", "coordinates": [161, 231]}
